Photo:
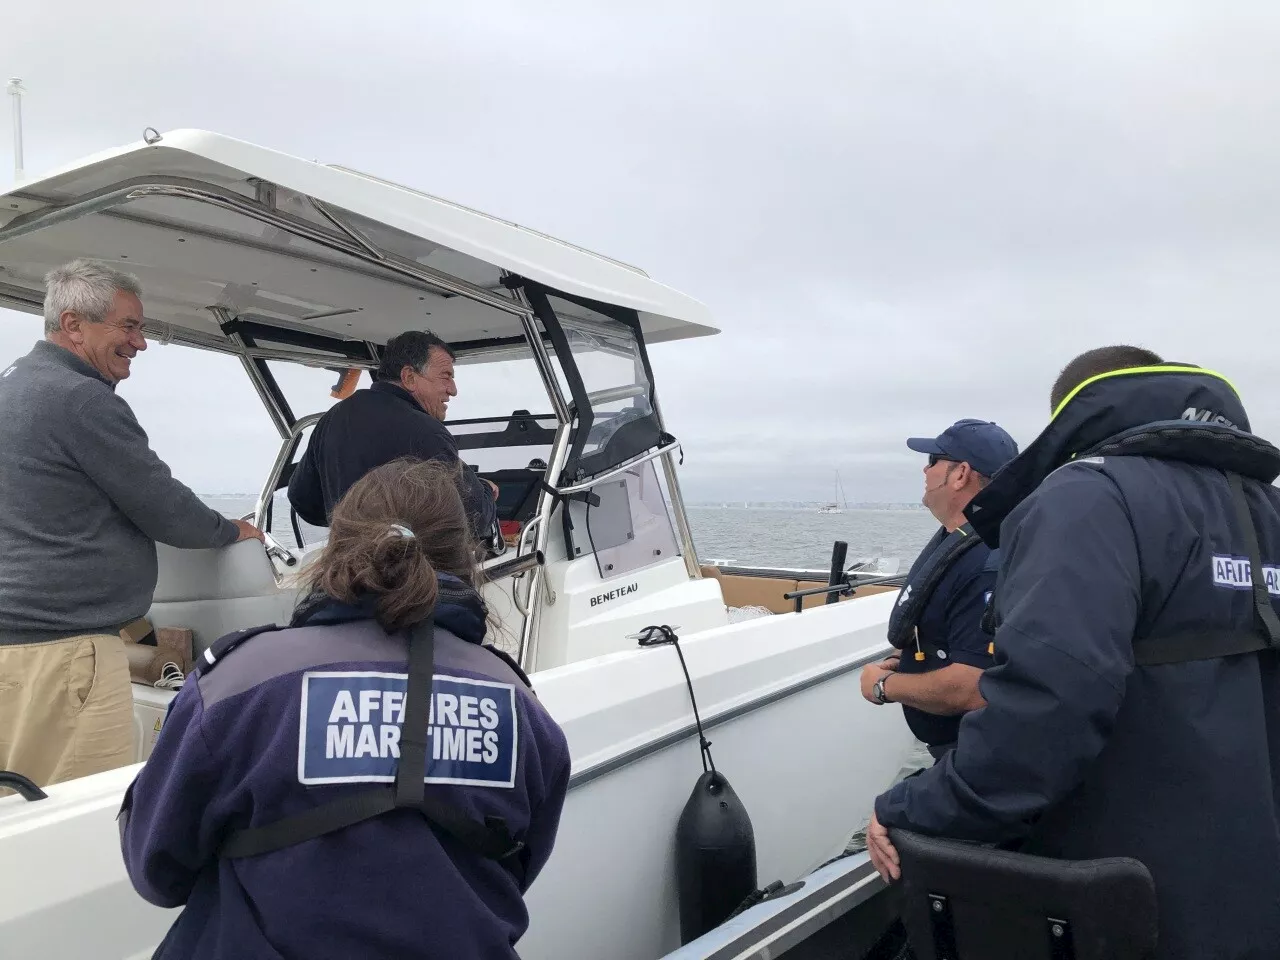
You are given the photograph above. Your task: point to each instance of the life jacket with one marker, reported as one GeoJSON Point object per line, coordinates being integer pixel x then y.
{"type": "Point", "coordinates": [490, 839]}
{"type": "Point", "coordinates": [1156, 648]}
{"type": "Point", "coordinates": [937, 558]}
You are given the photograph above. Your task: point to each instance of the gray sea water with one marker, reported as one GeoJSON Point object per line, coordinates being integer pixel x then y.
{"type": "Point", "coordinates": [798, 537]}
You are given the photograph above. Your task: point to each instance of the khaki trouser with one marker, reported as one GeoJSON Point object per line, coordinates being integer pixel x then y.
{"type": "Point", "coordinates": [66, 708]}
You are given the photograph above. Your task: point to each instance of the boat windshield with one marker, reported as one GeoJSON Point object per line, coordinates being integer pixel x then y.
{"type": "Point", "coordinates": [608, 360]}
{"type": "Point", "coordinates": [608, 377]}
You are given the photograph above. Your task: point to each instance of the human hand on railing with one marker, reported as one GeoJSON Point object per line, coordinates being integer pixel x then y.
{"type": "Point", "coordinates": [247, 531]}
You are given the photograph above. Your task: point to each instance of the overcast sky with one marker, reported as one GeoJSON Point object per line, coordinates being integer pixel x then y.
{"type": "Point", "coordinates": [899, 214]}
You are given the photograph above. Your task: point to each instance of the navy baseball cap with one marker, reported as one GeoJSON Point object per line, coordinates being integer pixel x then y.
{"type": "Point", "coordinates": [983, 445]}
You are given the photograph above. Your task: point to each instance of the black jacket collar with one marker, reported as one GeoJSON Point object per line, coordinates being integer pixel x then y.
{"type": "Point", "coordinates": [389, 389]}
{"type": "Point", "coordinates": [1169, 412]}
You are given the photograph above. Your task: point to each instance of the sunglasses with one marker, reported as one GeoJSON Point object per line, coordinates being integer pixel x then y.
{"type": "Point", "coordinates": [936, 458]}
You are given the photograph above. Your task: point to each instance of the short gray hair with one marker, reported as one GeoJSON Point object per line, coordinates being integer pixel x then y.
{"type": "Point", "coordinates": [84, 287]}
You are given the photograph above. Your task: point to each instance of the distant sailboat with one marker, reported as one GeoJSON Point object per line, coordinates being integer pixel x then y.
{"type": "Point", "coordinates": [839, 505]}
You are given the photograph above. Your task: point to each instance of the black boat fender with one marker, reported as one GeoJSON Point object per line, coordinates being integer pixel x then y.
{"type": "Point", "coordinates": [715, 856]}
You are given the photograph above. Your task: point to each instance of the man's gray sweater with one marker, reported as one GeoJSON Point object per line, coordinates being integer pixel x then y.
{"type": "Point", "coordinates": [83, 499]}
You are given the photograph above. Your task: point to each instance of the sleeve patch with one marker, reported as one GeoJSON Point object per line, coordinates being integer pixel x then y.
{"type": "Point", "coordinates": [349, 729]}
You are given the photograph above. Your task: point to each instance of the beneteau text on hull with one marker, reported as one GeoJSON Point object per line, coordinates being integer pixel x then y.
{"type": "Point", "coordinates": [276, 260]}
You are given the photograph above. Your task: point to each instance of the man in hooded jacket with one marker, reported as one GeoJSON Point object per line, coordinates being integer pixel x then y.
{"type": "Point", "coordinates": [1134, 706]}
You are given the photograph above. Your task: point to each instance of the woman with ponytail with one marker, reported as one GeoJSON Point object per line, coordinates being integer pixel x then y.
{"type": "Point", "coordinates": [371, 781]}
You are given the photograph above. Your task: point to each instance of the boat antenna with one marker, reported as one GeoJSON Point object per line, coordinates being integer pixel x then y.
{"type": "Point", "coordinates": [16, 90]}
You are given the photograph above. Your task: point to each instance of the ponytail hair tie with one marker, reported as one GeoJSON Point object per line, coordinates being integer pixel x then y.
{"type": "Point", "coordinates": [400, 530]}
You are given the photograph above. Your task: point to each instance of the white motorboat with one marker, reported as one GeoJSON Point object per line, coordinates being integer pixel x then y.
{"type": "Point", "coordinates": [276, 260]}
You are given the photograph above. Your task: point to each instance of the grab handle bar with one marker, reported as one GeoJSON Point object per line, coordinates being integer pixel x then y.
{"type": "Point", "coordinates": [24, 786]}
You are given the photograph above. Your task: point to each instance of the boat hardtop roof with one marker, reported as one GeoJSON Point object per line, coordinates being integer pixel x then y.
{"type": "Point", "coordinates": [220, 230]}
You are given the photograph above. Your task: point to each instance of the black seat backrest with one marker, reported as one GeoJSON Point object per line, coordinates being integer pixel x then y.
{"type": "Point", "coordinates": [965, 902]}
{"type": "Point", "coordinates": [518, 491]}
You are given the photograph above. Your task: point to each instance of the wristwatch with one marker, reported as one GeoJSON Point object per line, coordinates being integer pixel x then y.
{"type": "Point", "coordinates": [877, 690]}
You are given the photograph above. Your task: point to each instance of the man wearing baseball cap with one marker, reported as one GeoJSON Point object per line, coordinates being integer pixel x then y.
{"type": "Point", "coordinates": [937, 621]}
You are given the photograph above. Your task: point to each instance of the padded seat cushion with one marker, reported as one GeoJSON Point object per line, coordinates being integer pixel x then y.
{"type": "Point", "coordinates": [215, 592]}
{"type": "Point", "coordinates": [744, 591]}
{"type": "Point", "coordinates": [230, 573]}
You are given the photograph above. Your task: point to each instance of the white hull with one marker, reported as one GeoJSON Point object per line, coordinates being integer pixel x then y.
{"type": "Point", "coordinates": [780, 694]}
{"type": "Point", "coordinates": [807, 767]}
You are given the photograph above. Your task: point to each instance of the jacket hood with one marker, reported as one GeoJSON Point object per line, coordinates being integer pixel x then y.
{"type": "Point", "coordinates": [1171, 412]}
{"type": "Point", "coordinates": [459, 609]}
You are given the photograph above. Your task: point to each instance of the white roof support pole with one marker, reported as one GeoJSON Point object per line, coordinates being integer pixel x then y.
{"type": "Point", "coordinates": [16, 91]}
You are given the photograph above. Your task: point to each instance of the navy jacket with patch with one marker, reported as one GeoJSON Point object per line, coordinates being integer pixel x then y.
{"type": "Point", "coordinates": [1079, 752]}
{"type": "Point", "coordinates": [292, 719]}
{"type": "Point", "coordinates": [368, 429]}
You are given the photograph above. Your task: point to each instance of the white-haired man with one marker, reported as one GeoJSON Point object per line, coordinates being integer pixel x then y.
{"type": "Point", "coordinates": [85, 500]}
